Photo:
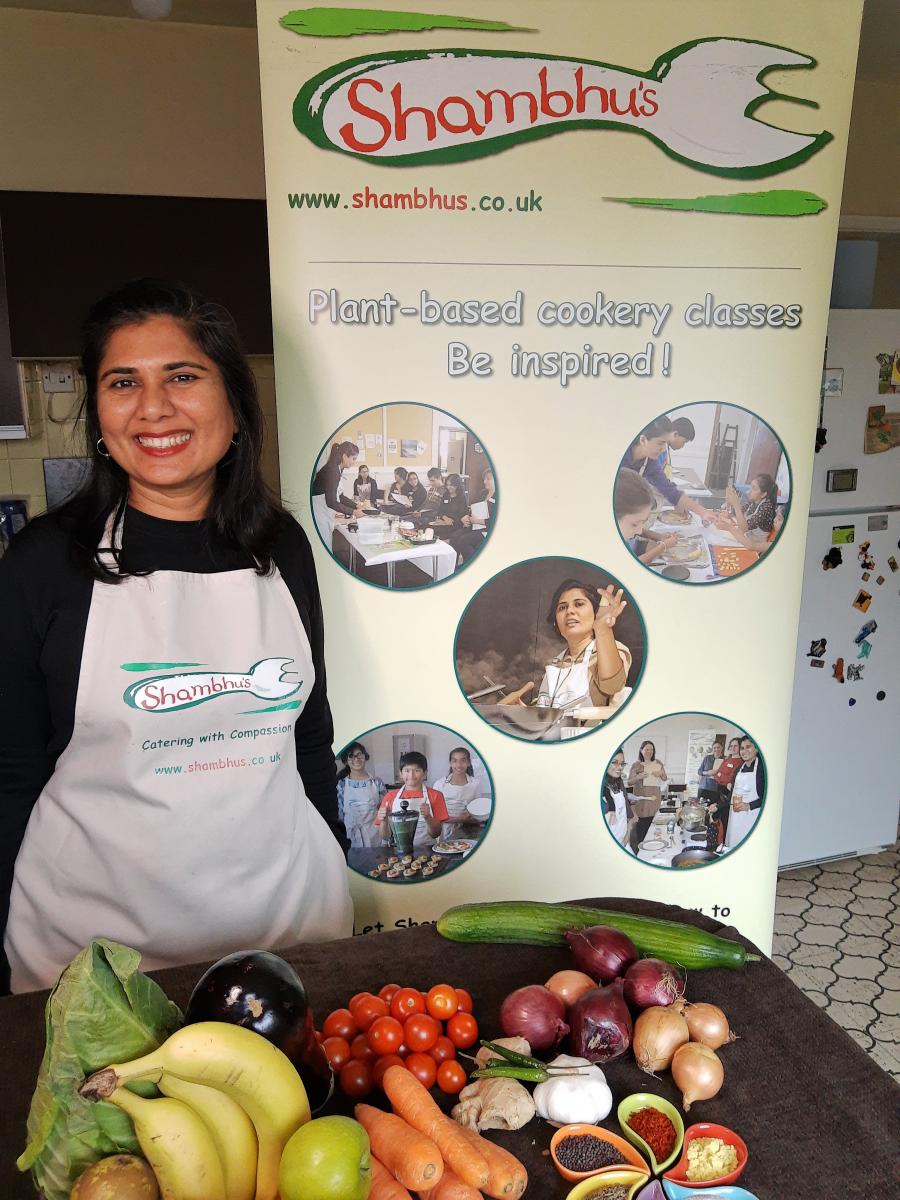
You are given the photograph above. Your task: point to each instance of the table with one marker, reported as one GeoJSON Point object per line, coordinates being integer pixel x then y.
{"type": "Point", "coordinates": [679, 839]}
{"type": "Point", "coordinates": [818, 1115]}
{"type": "Point", "coordinates": [711, 535]}
{"type": "Point", "coordinates": [688, 481]}
{"type": "Point", "coordinates": [364, 860]}
{"type": "Point", "coordinates": [442, 555]}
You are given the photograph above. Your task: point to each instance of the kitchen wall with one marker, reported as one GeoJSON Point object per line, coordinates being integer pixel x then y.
{"type": "Point", "coordinates": [55, 433]}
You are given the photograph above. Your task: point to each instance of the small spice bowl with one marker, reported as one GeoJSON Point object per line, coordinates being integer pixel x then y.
{"type": "Point", "coordinates": [609, 1177]}
{"type": "Point", "coordinates": [677, 1191]}
{"type": "Point", "coordinates": [634, 1103]}
{"type": "Point", "coordinates": [633, 1160]}
{"type": "Point", "coordinates": [704, 1129]}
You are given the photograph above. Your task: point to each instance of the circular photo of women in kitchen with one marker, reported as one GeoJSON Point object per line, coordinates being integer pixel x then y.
{"type": "Point", "coordinates": [403, 495]}
{"type": "Point", "coordinates": [550, 649]}
{"type": "Point", "coordinates": [416, 800]}
{"type": "Point", "coordinates": [684, 790]}
{"type": "Point", "coordinates": [702, 492]}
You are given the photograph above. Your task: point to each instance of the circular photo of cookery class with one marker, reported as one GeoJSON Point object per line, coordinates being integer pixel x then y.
{"type": "Point", "coordinates": [702, 492]}
{"type": "Point", "coordinates": [403, 495]}
{"type": "Point", "coordinates": [550, 649]}
{"type": "Point", "coordinates": [416, 800]}
{"type": "Point", "coordinates": [684, 790]}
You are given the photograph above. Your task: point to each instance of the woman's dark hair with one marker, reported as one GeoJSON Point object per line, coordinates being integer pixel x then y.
{"type": "Point", "coordinates": [362, 467]}
{"type": "Point", "coordinates": [455, 481]}
{"type": "Point", "coordinates": [412, 758]}
{"type": "Point", "coordinates": [412, 475]}
{"type": "Point", "coordinates": [569, 585]}
{"type": "Point", "coordinates": [470, 770]}
{"type": "Point", "coordinates": [631, 493]}
{"type": "Point", "coordinates": [658, 428]}
{"type": "Point", "coordinates": [338, 450]}
{"type": "Point", "coordinates": [768, 487]}
{"type": "Point", "coordinates": [606, 789]}
{"type": "Point", "coordinates": [242, 509]}
{"type": "Point", "coordinates": [641, 751]}
{"type": "Point", "coordinates": [402, 472]}
{"type": "Point", "coordinates": [345, 757]}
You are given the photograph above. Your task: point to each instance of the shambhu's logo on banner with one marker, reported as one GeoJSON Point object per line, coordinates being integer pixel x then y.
{"type": "Point", "coordinates": [697, 103]}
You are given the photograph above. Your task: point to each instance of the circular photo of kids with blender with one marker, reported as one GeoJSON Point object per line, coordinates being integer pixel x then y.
{"type": "Point", "coordinates": [403, 495]}
{"type": "Point", "coordinates": [684, 790]}
{"type": "Point", "coordinates": [550, 649]}
{"type": "Point", "coordinates": [416, 800]}
{"type": "Point", "coordinates": [702, 492]}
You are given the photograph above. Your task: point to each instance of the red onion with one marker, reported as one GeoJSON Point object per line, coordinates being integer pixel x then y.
{"type": "Point", "coordinates": [601, 951]}
{"type": "Point", "coordinates": [652, 983]}
{"type": "Point", "coordinates": [601, 1024]}
{"type": "Point", "coordinates": [535, 1014]}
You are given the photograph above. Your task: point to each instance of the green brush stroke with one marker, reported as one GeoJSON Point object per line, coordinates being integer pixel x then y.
{"type": "Point", "coordinates": [156, 666]}
{"type": "Point", "coordinates": [780, 202]}
{"type": "Point", "coordinates": [247, 712]}
{"type": "Point", "coordinates": [355, 22]}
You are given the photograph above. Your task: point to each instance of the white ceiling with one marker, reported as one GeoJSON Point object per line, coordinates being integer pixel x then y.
{"type": "Point", "coordinates": [877, 59]}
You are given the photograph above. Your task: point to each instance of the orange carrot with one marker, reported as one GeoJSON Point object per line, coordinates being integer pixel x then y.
{"type": "Point", "coordinates": [508, 1177]}
{"type": "Point", "coordinates": [412, 1102]}
{"type": "Point", "coordinates": [452, 1187]}
{"type": "Point", "coordinates": [384, 1185]}
{"type": "Point", "coordinates": [410, 1157]}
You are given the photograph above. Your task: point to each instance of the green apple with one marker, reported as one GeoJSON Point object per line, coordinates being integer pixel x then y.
{"type": "Point", "coordinates": [326, 1159]}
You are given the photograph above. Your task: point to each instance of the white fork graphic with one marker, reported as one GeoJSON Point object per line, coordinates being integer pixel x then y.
{"type": "Point", "coordinates": [268, 679]}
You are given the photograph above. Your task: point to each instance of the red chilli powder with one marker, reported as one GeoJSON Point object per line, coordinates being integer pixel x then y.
{"type": "Point", "coordinates": [656, 1129]}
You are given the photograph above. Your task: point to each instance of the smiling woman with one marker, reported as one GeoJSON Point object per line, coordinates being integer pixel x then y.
{"type": "Point", "coordinates": [172, 557]}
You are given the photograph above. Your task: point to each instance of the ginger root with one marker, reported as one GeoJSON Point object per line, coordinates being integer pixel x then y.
{"type": "Point", "coordinates": [494, 1104]}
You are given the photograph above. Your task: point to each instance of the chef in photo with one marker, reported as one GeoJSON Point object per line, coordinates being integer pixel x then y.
{"type": "Point", "coordinates": [166, 772]}
{"type": "Point", "coordinates": [427, 802]}
{"type": "Point", "coordinates": [617, 810]}
{"type": "Point", "coordinates": [592, 670]}
{"type": "Point", "coordinates": [746, 796]}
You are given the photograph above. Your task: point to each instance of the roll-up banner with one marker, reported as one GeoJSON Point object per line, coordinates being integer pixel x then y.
{"type": "Point", "coordinates": [550, 289]}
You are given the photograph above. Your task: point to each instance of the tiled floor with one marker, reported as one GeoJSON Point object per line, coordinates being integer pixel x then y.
{"type": "Point", "coordinates": [837, 934]}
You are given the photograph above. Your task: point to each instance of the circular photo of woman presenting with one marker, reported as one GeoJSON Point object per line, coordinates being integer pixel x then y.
{"type": "Point", "coordinates": [550, 649]}
{"type": "Point", "coordinates": [702, 492]}
{"type": "Point", "coordinates": [684, 790]}
{"type": "Point", "coordinates": [416, 800]}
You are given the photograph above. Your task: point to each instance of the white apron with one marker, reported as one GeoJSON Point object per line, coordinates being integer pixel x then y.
{"type": "Point", "coordinates": [361, 802]}
{"type": "Point", "coordinates": [421, 837]}
{"type": "Point", "coordinates": [457, 798]}
{"type": "Point", "coordinates": [618, 820]}
{"type": "Point", "coordinates": [569, 685]}
{"type": "Point", "coordinates": [740, 823]}
{"type": "Point", "coordinates": [175, 820]}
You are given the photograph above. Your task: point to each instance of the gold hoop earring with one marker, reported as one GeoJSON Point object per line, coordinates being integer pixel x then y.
{"type": "Point", "coordinates": [104, 452]}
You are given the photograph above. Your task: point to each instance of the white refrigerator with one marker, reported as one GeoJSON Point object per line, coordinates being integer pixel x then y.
{"type": "Point", "coordinates": [842, 788]}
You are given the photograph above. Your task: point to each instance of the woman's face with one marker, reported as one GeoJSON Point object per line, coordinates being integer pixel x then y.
{"type": "Point", "coordinates": [347, 460]}
{"type": "Point", "coordinates": [734, 747]}
{"type": "Point", "coordinates": [452, 489]}
{"type": "Point", "coordinates": [646, 447]}
{"type": "Point", "coordinates": [489, 485]}
{"type": "Point", "coordinates": [632, 523]}
{"type": "Point", "coordinates": [718, 749]}
{"type": "Point", "coordinates": [459, 762]}
{"type": "Point", "coordinates": [574, 615]}
{"type": "Point", "coordinates": [647, 751]}
{"type": "Point", "coordinates": [164, 414]}
{"type": "Point", "coordinates": [748, 750]}
{"type": "Point", "coordinates": [356, 760]}
{"type": "Point", "coordinates": [617, 765]}
{"type": "Point", "coordinates": [364, 472]}
{"type": "Point", "coordinates": [755, 492]}
{"type": "Point", "coordinates": [412, 479]}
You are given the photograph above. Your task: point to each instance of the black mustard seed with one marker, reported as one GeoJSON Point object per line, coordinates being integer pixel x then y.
{"type": "Point", "coordinates": [584, 1152]}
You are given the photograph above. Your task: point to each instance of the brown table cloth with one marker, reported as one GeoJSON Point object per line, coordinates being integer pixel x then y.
{"type": "Point", "coordinates": [819, 1117]}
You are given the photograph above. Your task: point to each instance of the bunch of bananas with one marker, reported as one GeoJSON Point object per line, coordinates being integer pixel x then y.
{"type": "Point", "coordinates": [230, 1101]}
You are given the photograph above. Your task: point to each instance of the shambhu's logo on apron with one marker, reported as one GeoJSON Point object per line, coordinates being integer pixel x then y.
{"type": "Point", "coordinates": [268, 679]}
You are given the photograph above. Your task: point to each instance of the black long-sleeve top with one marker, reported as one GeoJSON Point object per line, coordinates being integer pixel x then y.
{"type": "Point", "coordinates": [326, 484]}
{"type": "Point", "coordinates": [44, 602]}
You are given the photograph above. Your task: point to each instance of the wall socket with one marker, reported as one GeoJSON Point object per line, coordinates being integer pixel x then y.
{"type": "Point", "coordinates": [58, 377]}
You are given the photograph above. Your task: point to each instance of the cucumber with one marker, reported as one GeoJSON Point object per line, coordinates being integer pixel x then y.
{"type": "Point", "coordinates": [531, 923]}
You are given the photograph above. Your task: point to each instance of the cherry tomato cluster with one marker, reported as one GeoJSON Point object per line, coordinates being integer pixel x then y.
{"type": "Point", "coordinates": [400, 1026]}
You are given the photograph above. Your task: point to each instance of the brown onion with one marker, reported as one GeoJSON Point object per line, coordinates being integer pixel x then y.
{"type": "Point", "coordinates": [708, 1025]}
{"type": "Point", "coordinates": [697, 1072]}
{"type": "Point", "coordinates": [658, 1033]}
{"type": "Point", "coordinates": [569, 985]}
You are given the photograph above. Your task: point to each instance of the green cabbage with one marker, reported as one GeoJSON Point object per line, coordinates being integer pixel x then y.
{"type": "Point", "coordinates": [102, 1011]}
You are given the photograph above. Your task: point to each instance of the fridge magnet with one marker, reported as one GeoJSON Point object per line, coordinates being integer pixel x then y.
{"type": "Point", "coordinates": [880, 695]}
{"type": "Point", "coordinates": [865, 649]}
{"type": "Point", "coordinates": [817, 662]}
{"type": "Point", "coordinates": [865, 630]}
{"type": "Point", "coordinates": [866, 561]}
{"type": "Point", "coordinates": [892, 563]}
{"type": "Point", "coordinates": [833, 381]}
{"type": "Point", "coordinates": [837, 670]}
{"type": "Point", "coordinates": [882, 430]}
{"type": "Point", "coordinates": [832, 559]}
{"type": "Point", "coordinates": [862, 601]}
{"type": "Point", "coordinates": [888, 373]}
{"type": "Point", "coordinates": [865, 576]}
{"type": "Point", "coordinates": [854, 672]}
{"type": "Point", "coordinates": [879, 579]}
{"type": "Point", "coordinates": [817, 648]}
{"type": "Point", "coordinates": [842, 535]}
{"type": "Point", "coordinates": [852, 701]}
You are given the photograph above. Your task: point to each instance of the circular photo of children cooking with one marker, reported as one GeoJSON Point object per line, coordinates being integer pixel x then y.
{"type": "Point", "coordinates": [550, 649]}
{"type": "Point", "coordinates": [416, 800]}
{"type": "Point", "coordinates": [684, 791]}
{"type": "Point", "coordinates": [403, 495]}
{"type": "Point", "coordinates": [702, 492]}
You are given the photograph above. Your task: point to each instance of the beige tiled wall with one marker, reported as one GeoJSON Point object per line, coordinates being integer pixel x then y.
{"type": "Point", "coordinates": [55, 433]}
